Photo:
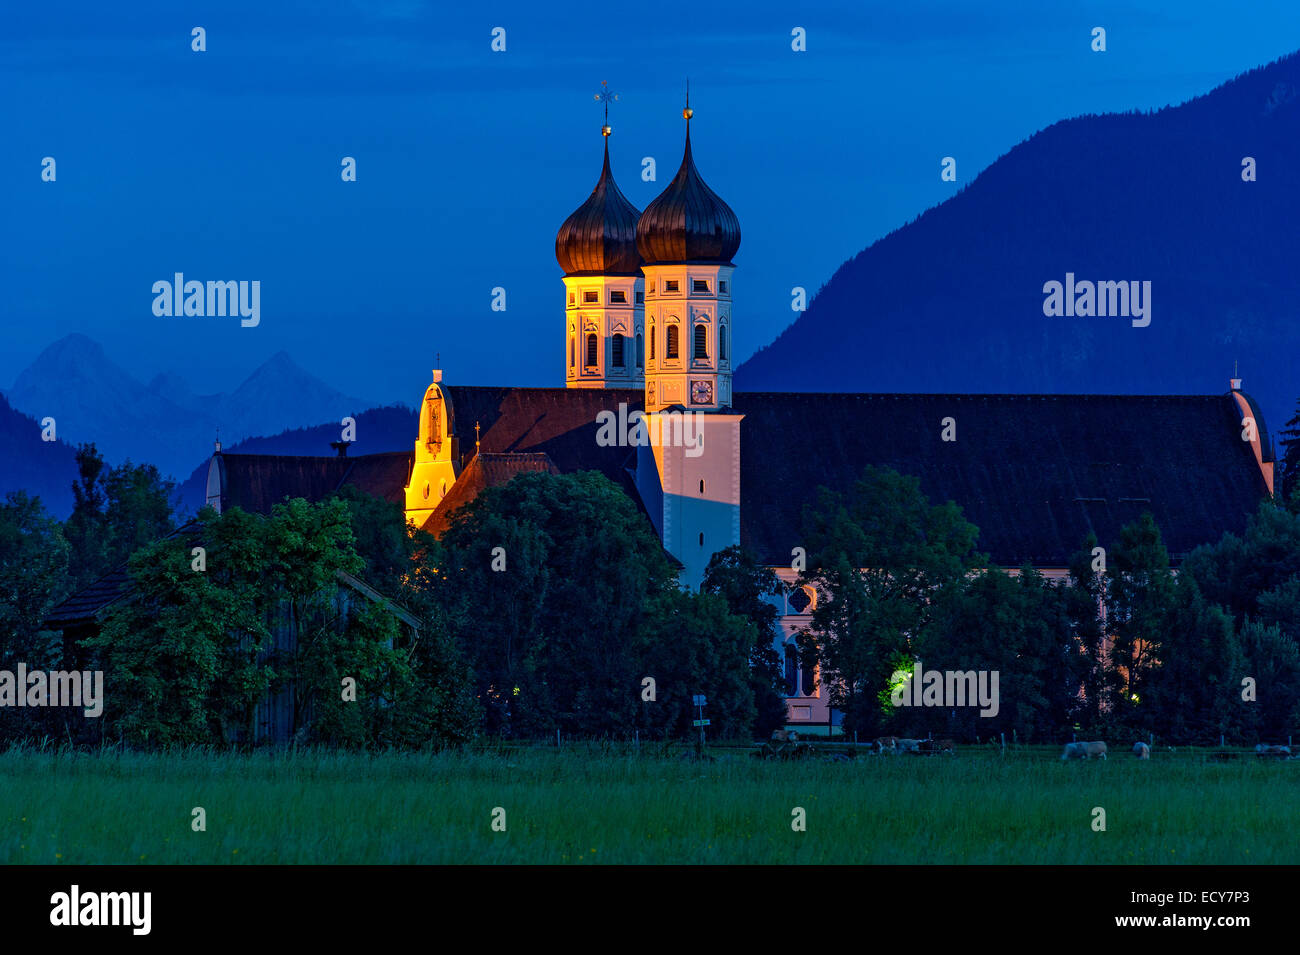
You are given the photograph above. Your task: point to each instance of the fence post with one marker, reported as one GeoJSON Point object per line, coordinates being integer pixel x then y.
{"type": "Point", "coordinates": [1004, 740]}
{"type": "Point", "coordinates": [1220, 741]}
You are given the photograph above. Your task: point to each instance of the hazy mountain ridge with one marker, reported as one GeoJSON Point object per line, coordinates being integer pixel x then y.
{"type": "Point", "coordinates": [165, 423]}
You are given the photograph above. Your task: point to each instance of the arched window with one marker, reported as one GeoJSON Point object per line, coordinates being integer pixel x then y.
{"type": "Point", "coordinates": [652, 341]}
{"type": "Point", "coordinates": [808, 678]}
{"type": "Point", "coordinates": [573, 351]}
{"type": "Point", "coordinates": [640, 355]}
{"type": "Point", "coordinates": [591, 351]}
{"type": "Point", "coordinates": [701, 538]}
{"type": "Point", "coordinates": [618, 351]}
{"type": "Point", "coordinates": [722, 342]}
{"type": "Point", "coordinates": [671, 350]}
{"type": "Point", "coordinates": [701, 342]}
{"type": "Point", "coordinates": [701, 485]}
{"type": "Point", "coordinates": [791, 670]}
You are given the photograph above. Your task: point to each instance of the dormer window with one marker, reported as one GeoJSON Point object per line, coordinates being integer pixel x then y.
{"type": "Point", "coordinates": [700, 285]}
{"type": "Point", "coordinates": [618, 298]}
{"type": "Point", "coordinates": [640, 298]}
{"type": "Point", "coordinates": [591, 297]}
{"type": "Point", "coordinates": [572, 298]}
{"type": "Point", "coordinates": [670, 285]}
{"type": "Point", "coordinates": [722, 287]}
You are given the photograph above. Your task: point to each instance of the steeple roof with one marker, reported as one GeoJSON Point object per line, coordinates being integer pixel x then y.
{"type": "Point", "coordinates": [688, 222]}
{"type": "Point", "coordinates": [599, 238]}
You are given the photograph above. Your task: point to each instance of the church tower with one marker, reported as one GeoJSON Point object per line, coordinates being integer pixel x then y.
{"type": "Point", "coordinates": [437, 454]}
{"type": "Point", "coordinates": [604, 311]}
{"type": "Point", "coordinates": [689, 475]}
{"type": "Point", "coordinates": [687, 237]}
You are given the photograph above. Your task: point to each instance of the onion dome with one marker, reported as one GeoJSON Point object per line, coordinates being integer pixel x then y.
{"type": "Point", "coordinates": [600, 237]}
{"type": "Point", "coordinates": [688, 222]}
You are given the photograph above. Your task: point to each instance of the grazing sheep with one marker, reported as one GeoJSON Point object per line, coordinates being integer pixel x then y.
{"type": "Point", "coordinates": [886, 744]}
{"type": "Point", "coordinates": [1272, 752]}
{"type": "Point", "coordinates": [1093, 750]}
{"type": "Point", "coordinates": [908, 746]}
{"type": "Point", "coordinates": [1141, 750]}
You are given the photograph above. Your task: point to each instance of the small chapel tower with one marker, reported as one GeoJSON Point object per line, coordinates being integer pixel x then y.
{"type": "Point", "coordinates": [604, 310]}
{"type": "Point", "coordinates": [437, 454]}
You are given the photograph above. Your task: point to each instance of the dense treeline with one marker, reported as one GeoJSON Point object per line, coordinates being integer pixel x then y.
{"type": "Point", "coordinates": [1123, 646]}
{"type": "Point", "coordinates": [550, 605]}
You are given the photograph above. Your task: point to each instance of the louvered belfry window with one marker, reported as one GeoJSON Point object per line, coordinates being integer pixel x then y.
{"type": "Point", "coordinates": [618, 351]}
{"type": "Point", "coordinates": [591, 351]}
{"type": "Point", "coordinates": [671, 350]}
{"type": "Point", "coordinates": [701, 342]}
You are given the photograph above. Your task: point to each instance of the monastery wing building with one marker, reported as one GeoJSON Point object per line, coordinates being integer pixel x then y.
{"type": "Point", "coordinates": [648, 323]}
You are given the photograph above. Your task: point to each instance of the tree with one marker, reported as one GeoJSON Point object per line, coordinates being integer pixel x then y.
{"type": "Point", "coordinates": [1090, 664]}
{"type": "Point", "coordinates": [33, 579]}
{"type": "Point", "coordinates": [692, 643]}
{"type": "Point", "coordinates": [1288, 486]}
{"type": "Point", "coordinates": [1139, 600]}
{"type": "Point", "coordinates": [1272, 662]}
{"type": "Point", "coordinates": [192, 652]}
{"type": "Point", "coordinates": [184, 650]}
{"type": "Point", "coordinates": [882, 556]}
{"type": "Point", "coordinates": [1192, 693]}
{"type": "Point", "coordinates": [564, 601]}
{"type": "Point", "coordinates": [437, 704]}
{"type": "Point", "coordinates": [1015, 627]}
{"type": "Point", "coordinates": [747, 586]}
{"type": "Point", "coordinates": [116, 511]}
{"type": "Point", "coordinates": [546, 580]}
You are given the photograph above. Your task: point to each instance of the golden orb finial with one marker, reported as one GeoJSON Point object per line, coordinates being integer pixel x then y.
{"type": "Point", "coordinates": [687, 113]}
{"type": "Point", "coordinates": [606, 130]}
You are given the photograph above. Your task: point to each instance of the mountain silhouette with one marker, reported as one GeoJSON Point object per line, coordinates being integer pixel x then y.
{"type": "Point", "coordinates": [44, 469]}
{"type": "Point", "coordinates": [954, 300]}
{"type": "Point", "coordinates": [166, 423]}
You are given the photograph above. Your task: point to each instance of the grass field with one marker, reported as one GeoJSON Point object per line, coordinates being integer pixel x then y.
{"type": "Point", "coordinates": [602, 805]}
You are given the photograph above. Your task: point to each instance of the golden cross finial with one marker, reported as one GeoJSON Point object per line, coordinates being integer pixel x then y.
{"type": "Point", "coordinates": [476, 440]}
{"type": "Point", "coordinates": [604, 96]}
{"type": "Point", "coordinates": [687, 113]}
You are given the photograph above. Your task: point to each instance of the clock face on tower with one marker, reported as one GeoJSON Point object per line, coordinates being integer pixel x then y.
{"type": "Point", "coordinates": [701, 392]}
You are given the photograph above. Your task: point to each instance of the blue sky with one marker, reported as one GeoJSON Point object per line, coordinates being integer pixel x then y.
{"type": "Point", "coordinates": [225, 164]}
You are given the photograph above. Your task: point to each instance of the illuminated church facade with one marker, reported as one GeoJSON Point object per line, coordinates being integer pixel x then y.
{"type": "Point", "coordinates": [648, 321]}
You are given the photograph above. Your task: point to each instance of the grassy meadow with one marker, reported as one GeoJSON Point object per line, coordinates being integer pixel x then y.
{"type": "Point", "coordinates": [591, 804]}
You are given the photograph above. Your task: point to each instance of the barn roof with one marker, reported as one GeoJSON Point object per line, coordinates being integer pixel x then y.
{"type": "Point", "coordinates": [254, 482]}
{"type": "Point", "coordinates": [84, 605]}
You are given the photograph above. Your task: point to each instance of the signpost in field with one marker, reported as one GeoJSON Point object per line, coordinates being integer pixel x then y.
{"type": "Point", "coordinates": [699, 700]}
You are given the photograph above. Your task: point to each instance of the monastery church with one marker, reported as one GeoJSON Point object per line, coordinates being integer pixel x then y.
{"type": "Point", "coordinates": [648, 325]}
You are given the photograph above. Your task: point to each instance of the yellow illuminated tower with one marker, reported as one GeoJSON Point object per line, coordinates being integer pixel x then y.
{"type": "Point", "coordinates": [437, 455]}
